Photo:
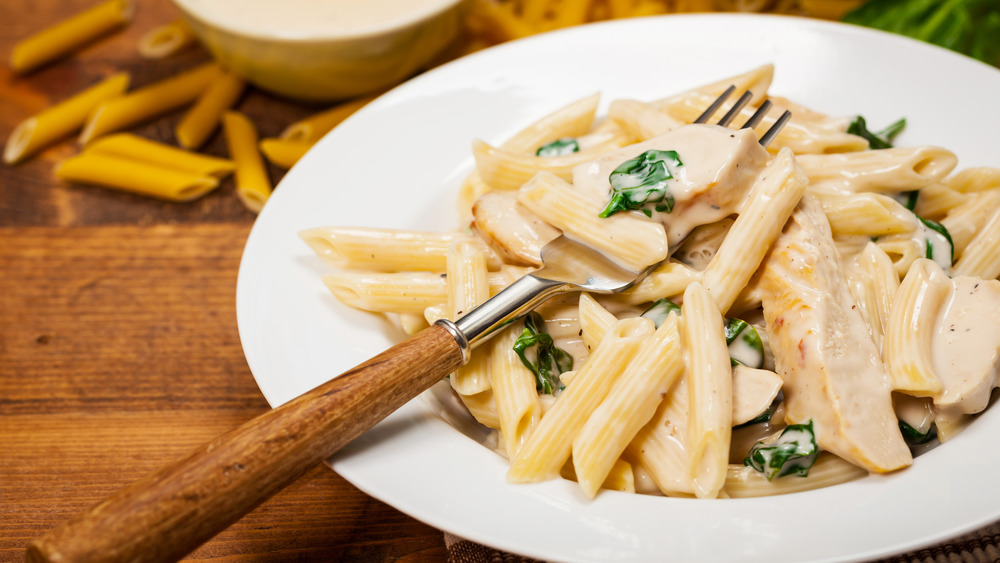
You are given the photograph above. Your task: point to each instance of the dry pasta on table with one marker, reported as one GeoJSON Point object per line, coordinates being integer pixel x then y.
{"type": "Point", "coordinates": [815, 311]}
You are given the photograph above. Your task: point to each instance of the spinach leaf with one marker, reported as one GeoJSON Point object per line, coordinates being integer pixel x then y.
{"type": "Point", "coordinates": [658, 311]}
{"type": "Point", "coordinates": [880, 140]}
{"type": "Point", "coordinates": [745, 345]}
{"type": "Point", "coordinates": [540, 355]}
{"type": "Point", "coordinates": [914, 437]}
{"type": "Point", "coordinates": [967, 26]}
{"type": "Point", "coordinates": [559, 147]}
{"type": "Point", "coordinates": [794, 453]}
{"type": "Point", "coordinates": [643, 180]}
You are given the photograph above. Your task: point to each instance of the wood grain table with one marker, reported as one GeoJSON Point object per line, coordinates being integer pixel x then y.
{"type": "Point", "coordinates": [119, 351]}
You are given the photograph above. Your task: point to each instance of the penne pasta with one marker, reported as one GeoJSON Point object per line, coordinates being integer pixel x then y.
{"type": "Point", "coordinates": [384, 250]}
{"type": "Point", "coordinates": [60, 120]}
{"type": "Point", "coordinates": [166, 40]}
{"type": "Point", "coordinates": [629, 405]}
{"type": "Point", "coordinates": [636, 243]}
{"type": "Point", "coordinates": [548, 447]}
{"type": "Point", "coordinates": [312, 128]}
{"type": "Point", "coordinates": [137, 177]}
{"type": "Point", "coordinates": [759, 223]}
{"type": "Point", "coordinates": [252, 183]}
{"type": "Point", "coordinates": [284, 152]}
{"type": "Point", "coordinates": [518, 409]}
{"type": "Point", "coordinates": [203, 118]}
{"type": "Point", "coordinates": [127, 145]}
{"type": "Point", "coordinates": [69, 35]}
{"type": "Point", "coordinates": [468, 286]}
{"type": "Point", "coordinates": [710, 391]}
{"type": "Point", "coordinates": [147, 102]}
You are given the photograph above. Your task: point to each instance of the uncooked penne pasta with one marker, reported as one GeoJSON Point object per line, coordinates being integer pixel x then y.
{"type": "Point", "coordinates": [166, 40]}
{"type": "Point", "coordinates": [203, 118]}
{"type": "Point", "coordinates": [69, 35]}
{"type": "Point", "coordinates": [284, 152]}
{"type": "Point", "coordinates": [312, 128]}
{"type": "Point", "coordinates": [134, 147]}
{"type": "Point", "coordinates": [147, 102]}
{"type": "Point", "coordinates": [253, 186]}
{"type": "Point", "coordinates": [60, 120]}
{"type": "Point", "coordinates": [129, 175]}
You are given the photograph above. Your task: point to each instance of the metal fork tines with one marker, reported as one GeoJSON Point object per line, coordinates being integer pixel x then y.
{"type": "Point", "coordinates": [750, 123]}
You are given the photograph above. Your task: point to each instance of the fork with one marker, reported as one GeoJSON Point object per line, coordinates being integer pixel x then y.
{"type": "Point", "coordinates": [169, 513]}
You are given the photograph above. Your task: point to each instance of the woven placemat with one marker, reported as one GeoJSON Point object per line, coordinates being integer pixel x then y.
{"type": "Point", "coordinates": [980, 546]}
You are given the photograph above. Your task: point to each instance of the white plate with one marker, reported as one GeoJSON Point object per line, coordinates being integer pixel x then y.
{"type": "Point", "coordinates": [398, 163]}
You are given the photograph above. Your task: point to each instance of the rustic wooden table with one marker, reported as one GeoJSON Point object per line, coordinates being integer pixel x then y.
{"type": "Point", "coordinates": [118, 344]}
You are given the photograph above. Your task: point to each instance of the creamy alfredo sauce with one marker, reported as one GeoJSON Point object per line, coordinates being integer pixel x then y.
{"type": "Point", "coordinates": [312, 16]}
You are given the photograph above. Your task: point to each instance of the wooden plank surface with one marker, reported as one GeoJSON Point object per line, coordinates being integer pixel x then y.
{"type": "Point", "coordinates": [119, 351]}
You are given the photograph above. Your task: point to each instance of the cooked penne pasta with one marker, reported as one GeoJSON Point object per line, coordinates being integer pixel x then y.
{"type": "Point", "coordinates": [636, 242]}
{"type": "Point", "coordinates": [147, 102]}
{"type": "Point", "coordinates": [468, 286]}
{"type": "Point", "coordinates": [203, 118]}
{"type": "Point", "coordinates": [518, 409]}
{"type": "Point", "coordinates": [60, 120]}
{"type": "Point", "coordinates": [548, 447]}
{"type": "Point", "coordinates": [69, 35]}
{"type": "Point", "coordinates": [138, 177]}
{"type": "Point", "coordinates": [629, 405]}
{"type": "Point", "coordinates": [385, 250]}
{"type": "Point", "coordinates": [710, 391]}
{"type": "Point", "coordinates": [253, 186]}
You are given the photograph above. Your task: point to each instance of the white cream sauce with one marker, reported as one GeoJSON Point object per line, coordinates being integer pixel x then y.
{"type": "Point", "coordinates": [966, 344]}
{"type": "Point", "coordinates": [312, 16]}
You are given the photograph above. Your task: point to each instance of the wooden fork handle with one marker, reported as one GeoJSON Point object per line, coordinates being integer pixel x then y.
{"type": "Point", "coordinates": [168, 514]}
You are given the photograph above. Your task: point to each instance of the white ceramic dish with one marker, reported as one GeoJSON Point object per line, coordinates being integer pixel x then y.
{"type": "Point", "coordinates": [411, 147]}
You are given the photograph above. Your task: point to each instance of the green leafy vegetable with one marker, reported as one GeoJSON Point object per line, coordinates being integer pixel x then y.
{"type": "Point", "coordinates": [793, 453]}
{"type": "Point", "coordinates": [944, 239]}
{"type": "Point", "coordinates": [539, 354]}
{"type": "Point", "coordinates": [642, 181]}
{"type": "Point", "coordinates": [907, 199]}
{"type": "Point", "coordinates": [879, 140]}
{"type": "Point", "coordinates": [967, 26]}
{"type": "Point", "coordinates": [914, 437]}
{"type": "Point", "coordinates": [559, 147]}
{"type": "Point", "coordinates": [658, 311]}
{"type": "Point", "coordinates": [745, 345]}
